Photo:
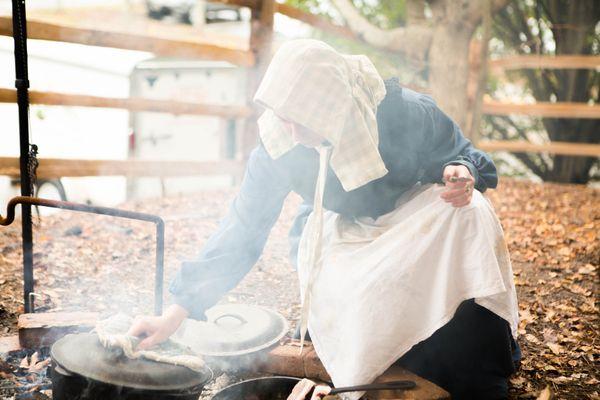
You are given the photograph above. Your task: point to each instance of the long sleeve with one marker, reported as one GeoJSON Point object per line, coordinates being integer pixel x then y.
{"type": "Point", "coordinates": [237, 244]}
{"type": "Point", "coordinates": [445, 144]}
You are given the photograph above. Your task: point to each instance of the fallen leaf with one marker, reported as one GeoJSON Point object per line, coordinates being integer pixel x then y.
{"type": "Point", "coordinates": [556, 349]}
{"type": "Point", "coordinates": [532, 338]}
{"type": "Point", "coordinates": [587, 269]}
{"type": "Point", "coordinates": [546, 394]}
{"type": "Point", "coordinates": [526, 317]}
{"type": "Point", "coordinates": [24, 363]}
{"type": "Point", "coordinates": [580, 290]}
{"type": "Point", "coordinates": [39, 366]}
{"type": "Point", "coordinates": [518, 381]}
{"type": "Point", "coordinates": [34, 359]}
{"type": "Point", "coordinates": [561, 379]}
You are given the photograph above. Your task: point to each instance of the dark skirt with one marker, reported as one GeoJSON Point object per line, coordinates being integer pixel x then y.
{"type": "Point", "coordinates": [472, 356]}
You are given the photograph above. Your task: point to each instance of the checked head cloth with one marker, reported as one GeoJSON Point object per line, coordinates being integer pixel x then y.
{"type": "Point", "coordinates": [332, 94]}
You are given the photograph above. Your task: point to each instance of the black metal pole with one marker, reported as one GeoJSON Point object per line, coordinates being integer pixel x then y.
{"type": "Point", "coordinates": [22, 84]}
{"type": "Point", "coordinates": [160, 262]}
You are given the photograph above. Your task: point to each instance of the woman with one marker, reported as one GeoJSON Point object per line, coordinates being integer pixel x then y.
{"type": "Point", "coordinates": [394, 267]}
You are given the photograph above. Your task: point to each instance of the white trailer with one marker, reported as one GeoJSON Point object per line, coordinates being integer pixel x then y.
{"type": "Point", "coordinates": [168, 137]}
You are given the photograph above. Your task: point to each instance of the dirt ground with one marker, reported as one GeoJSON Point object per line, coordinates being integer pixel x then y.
{"type": "Point", "coordinates": [105, 264]}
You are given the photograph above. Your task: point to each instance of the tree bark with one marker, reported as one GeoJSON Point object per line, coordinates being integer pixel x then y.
{"type": "Point", "coordinates": [449, 69]}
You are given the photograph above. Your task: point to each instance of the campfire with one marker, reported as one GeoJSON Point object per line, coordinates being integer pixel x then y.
{"type": "Point", "coordinates": [25, 374]}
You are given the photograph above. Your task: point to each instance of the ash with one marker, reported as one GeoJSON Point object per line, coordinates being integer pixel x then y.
{"type": "Point", "coordinates": [224, 380]}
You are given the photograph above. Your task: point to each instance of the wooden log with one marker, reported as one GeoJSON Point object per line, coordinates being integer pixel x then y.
{"type": "Point", "coordinates": [56, 168]}
{"type": "Point", "coordinates": [521, 146]}
{"type": "Point", "coordinates": [543, 109]}
{"type": "Point", "coordinates": [546, 62]}
{"type": "Point", "coordinates": [131, 104]}
{"type": "Point", "coordinates": [284, 360]}
{"type": "Point", "coordinates": [287, 360]}
{"type": "Point", "coordinates": [43, 329]}
{"type": "Point", "coordinates": [130, 41]}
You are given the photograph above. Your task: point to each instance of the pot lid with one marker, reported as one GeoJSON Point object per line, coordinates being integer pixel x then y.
{"type": "Point", "coordinates": [84, 355]}
{"type": "Point", "coordinates": [233, 330]}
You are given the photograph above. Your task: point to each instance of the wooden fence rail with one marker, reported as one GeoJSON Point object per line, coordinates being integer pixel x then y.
{"type": "Point", "coordinates": [542, 109]}
{"type": "Point", "coordinates": [521, 146]}
{"type": "Point", "coordinates": [51, 168]}
{"type": "Point", "coordinates": [160, 46]}
{"type": "Point", "coordinates": [545, 62]}
{"type": "Point", "coordinates": [131, 104]}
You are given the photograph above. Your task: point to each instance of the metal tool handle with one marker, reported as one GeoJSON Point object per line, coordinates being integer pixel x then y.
{"type": "Point", "coordinates": [234, 316]}
{"type": "Point", "coordinates": [393, 385]}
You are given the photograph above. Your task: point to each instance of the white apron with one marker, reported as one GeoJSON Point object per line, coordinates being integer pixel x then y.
{"type": "Point", "coordinates": [384, 285]}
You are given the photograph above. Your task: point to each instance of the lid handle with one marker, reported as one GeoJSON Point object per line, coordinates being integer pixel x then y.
{"type": "Point", "coordinates": [235, 316]}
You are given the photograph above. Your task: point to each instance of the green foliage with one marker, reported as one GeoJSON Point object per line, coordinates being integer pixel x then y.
{"type": "Point", "coordinates": [313, 6]}
{"type": "Point", "coordinates": [383, 13]}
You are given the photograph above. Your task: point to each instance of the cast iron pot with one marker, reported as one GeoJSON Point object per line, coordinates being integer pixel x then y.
{"type": "Point", "coordinates": [271, 388]}
{"type": "Point", "coordinates": [279, 388]}
{"type": "Point", "coordinates": [84, 370]}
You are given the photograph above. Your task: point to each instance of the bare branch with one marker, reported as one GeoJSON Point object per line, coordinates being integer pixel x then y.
{"type": "Point", "coordinates": [413, 40]}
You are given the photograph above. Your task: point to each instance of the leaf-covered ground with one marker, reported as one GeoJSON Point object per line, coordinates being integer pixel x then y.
{"type": "Point", "coordinates": [105, 264]}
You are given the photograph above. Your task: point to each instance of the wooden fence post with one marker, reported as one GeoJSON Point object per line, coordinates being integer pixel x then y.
{"type": "Point", "coordinates": [261, 36]}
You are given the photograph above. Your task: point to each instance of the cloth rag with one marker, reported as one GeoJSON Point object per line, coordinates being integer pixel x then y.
{"type": "Point", "coordinates": [112, 333]}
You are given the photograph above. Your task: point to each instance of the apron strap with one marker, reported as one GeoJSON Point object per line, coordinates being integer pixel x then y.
{"type": "Point", "coordinates": [315, 244]}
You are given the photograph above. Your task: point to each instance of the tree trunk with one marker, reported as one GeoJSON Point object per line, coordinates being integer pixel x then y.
{"type": "Point", "coordinates": [574, 85]}
{"type": "Point", "coordinates": [444, 44]}
{"type": "Point", "coordinates": [449, 69]}
{"type": "Point", "coordinates": [567, 169]}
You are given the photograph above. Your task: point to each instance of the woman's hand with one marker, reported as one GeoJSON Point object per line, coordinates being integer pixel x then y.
{"type": "Point", "coordinates": [320, 392]}
{"type": "Point", "coordinates": [459, 184]}
{"type": "Point", "coordinates": [156, 330]}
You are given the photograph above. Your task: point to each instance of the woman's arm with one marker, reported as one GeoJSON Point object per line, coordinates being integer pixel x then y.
{"type": "Point", "coordinates": [238, 242]}
{"type": "Point", "coordinates": [444, 144]}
